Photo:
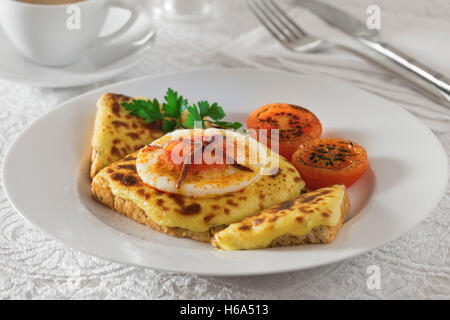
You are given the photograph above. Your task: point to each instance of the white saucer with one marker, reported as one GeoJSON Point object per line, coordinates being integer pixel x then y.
{"type": "Point", "coordinates": [99, 63]}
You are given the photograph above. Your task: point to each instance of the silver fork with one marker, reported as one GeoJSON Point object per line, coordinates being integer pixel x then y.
{"type": "Point", "coordinates": [283, 28]}
{"type": "Point", "coordinates": [292, 37]}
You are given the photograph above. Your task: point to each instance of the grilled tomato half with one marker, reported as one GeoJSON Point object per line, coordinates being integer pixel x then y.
{"type": "Point", "coordinates": [296, 125]}
{"type": "Point", "coordinates": [327, 161]}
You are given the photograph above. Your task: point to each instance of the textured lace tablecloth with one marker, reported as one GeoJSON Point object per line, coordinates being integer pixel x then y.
{"type": "Point", "coordinates": [32, 266]}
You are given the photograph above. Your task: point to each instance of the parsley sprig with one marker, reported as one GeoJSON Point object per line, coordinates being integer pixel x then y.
{"type": "Point", "coordinates": [172, 109]}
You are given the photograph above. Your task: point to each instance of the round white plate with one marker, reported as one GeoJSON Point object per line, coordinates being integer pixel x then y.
{"type": "Point", "coordinates": [100, 62]}
{"type": "Point", "coordinates": [45, 173]}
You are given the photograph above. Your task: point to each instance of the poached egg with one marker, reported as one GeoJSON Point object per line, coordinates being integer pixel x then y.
{"type": "Point", "coordinates": [203, 162]}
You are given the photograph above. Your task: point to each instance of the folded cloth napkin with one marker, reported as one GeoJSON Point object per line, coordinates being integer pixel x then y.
{"type": "Point", "coordinates": [424, 39]}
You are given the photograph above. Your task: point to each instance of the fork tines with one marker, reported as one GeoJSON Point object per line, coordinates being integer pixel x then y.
{"type": "Point", "coordinates": [275, 20]}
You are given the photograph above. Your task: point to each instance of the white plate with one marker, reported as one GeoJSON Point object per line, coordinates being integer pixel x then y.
{"type": "Point", "coordinates": [45, 173]}
{"type": "Point", "coordinates": [100, 62]}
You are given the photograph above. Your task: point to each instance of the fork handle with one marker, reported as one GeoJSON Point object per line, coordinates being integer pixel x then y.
{"type": "Point", "coordinates": [437, 84]}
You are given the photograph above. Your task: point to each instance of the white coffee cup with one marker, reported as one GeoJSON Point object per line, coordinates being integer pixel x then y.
{"type": "Point", "coordinates": [57, 35]}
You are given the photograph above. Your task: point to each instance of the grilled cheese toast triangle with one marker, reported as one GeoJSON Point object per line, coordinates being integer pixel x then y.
{"type": "Point", "coordinates": [117, 133]}
{"type": "Point", "coordinates": [314, 217]}
{"type": "Point", "coordinates": [120, 187]}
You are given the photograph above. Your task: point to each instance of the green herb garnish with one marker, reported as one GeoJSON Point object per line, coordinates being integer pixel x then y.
{"type": "Point", "coordinates": [173, 107]}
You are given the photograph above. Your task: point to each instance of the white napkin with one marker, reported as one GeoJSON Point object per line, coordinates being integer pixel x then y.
{"type": "Point", "coordinates": [424, 39]}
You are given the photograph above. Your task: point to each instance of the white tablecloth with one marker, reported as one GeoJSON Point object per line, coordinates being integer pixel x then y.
{"type": "Point", "coordinates": [413, 266]}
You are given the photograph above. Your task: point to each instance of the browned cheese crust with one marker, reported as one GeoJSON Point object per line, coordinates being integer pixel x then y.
{"type": "Point", "coordinates": [117, 133]}
{"type": "Point", "coordinates": [103, 194]}
{"type": "Point", "coordinates": [320, 234]}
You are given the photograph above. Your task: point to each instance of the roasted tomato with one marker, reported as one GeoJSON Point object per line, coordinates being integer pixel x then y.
{"type": "Point", "coordinates": [295, 124]}
{"type": "Point", "coordinates": [323, 162]}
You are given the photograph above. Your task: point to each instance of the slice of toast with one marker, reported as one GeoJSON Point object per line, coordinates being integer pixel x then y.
{"type": "Point", "coordinates": [103, 194]}
{"type": "Point", "coordinates": [120, 187]}
{"type": "Point", "coordinates": [314, 217]}
{"type": "Point", "coordinates": [117, 133]}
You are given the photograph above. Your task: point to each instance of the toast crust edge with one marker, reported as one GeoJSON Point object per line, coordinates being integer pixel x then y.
{"type": "Point", "coordinates": [320, 234]}
{"type": "Point", "coordinates": [102, 193]}
{"type": "Point", "coordinates": [95, 163]}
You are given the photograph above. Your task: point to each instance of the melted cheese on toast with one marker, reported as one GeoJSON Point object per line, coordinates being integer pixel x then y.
{"type": "Point", "coordinates": [117, 133]}
{"type": "Point", "coordinates": [199, 214]}
{"type": "Point", "coordinates": [296, 217]}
